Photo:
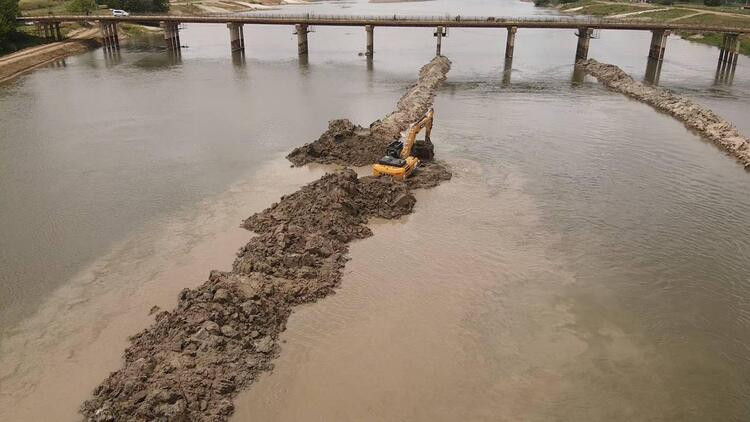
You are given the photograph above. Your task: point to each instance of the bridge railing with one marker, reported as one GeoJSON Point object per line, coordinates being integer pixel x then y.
{"type": "Point", "coordinates": [312, 18]}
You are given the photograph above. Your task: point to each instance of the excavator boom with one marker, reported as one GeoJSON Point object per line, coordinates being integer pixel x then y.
{"type": "Point", "coordinates": [424, 123]}
{"type": "Point", "coordinates": [399, 161]}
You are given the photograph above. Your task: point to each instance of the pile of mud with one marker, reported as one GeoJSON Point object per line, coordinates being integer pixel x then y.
{"type": "Point", "coordinates": [695, 117]}
{"type": "Point", "coordinates": [348, 144]}
{"type": "Point", "coordinates": [192, 362]}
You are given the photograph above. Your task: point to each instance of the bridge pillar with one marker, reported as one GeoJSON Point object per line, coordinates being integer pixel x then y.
{"type": "Point", "coordinates": [236, 39]}
{"type": "Point", "coordinates": [104, 29]}
{"type": "Point", "coordinates": [370, 40]}
{"type": "Point", "coordinates": [171, 35]}
{"type": "Point", "coordinates": [730, 49]}
{"type": "Point", "coordinates": [584, 39]}
{"type": "Point", "coordinates": [58, 34]}
{"type": "Point", "coordinates": [510, 43]}
{"type": "Point", "coordinates": [110, 39]}
{"type": "Point", "coordinates": [301, 31]}
{"type": "Point", "coordinates": [658, 43]}
{"type": "Point", "coordinates": [439, 33]}
{"type": "Point", "coordinates": [113, 35]}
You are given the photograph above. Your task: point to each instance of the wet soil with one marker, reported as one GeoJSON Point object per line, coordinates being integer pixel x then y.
{"type": "Point", "coordinates": [192, 362]}
{"type": "Point", "coordinates": [698, 118]}
{"type": "Point", "coordinates": [348, 144]}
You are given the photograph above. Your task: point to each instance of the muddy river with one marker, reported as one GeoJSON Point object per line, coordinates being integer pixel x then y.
{"type": "Point", "coordinates": [589, 260]}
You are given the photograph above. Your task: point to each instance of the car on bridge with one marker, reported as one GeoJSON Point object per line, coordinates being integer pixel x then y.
{"type": "Point", "coordinates": [118, 12]}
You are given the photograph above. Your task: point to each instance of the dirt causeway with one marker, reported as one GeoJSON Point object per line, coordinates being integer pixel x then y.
{"type": "Point", "coordinates": [706, 122]}
{"type": "Point", "coordinates": [348, 144]}
{"type": "Point", "coordinates": [194, 359]}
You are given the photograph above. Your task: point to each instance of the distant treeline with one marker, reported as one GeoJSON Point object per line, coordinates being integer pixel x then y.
{"type": "Point", "coordinates": [666, 2]}
{"type": "Point", "coordinates": [8, 12]}
{"type": "Point", "coordinates": [137, 6]}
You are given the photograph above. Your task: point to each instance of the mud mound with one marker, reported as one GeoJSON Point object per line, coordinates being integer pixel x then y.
{"type": "Point", "coordinates": [347, 144]}
{"type": "Point", "coordinates": [343, 143]}
{"type": "Point", "coordinates": [694, 116]}
{"type": "Point", "coordinates": [195, 359]}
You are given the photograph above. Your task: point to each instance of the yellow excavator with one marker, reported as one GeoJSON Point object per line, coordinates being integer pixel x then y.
{"type": "Point", "coordinates": [399, 162]}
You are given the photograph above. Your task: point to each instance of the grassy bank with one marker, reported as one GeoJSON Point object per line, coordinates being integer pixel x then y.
{"type": "Point", "coordinates": [20, 40]}
{"type": "Point", "coordinates": [27, 36]}
{"type": "Point", "coordinates": [731, 16]}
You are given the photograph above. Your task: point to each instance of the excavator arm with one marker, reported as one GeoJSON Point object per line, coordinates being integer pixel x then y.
{"type": "Point", "coordinates": [399, 161]}
{"type": "Point", "coordinates": [424, 123]}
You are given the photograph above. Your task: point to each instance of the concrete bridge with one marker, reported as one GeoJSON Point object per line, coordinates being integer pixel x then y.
{"type": "Point", "coordinates": [585, 27]}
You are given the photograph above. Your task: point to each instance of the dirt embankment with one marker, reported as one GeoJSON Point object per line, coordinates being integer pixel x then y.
{"type": "Point", "coordinates": [15, 64]}
{"type": "Point", "coordinates": [348, 144]}
{"type": "Point", "coordinates": [706, 122]}
{"type": "Point", "coordinates": [193, 360]}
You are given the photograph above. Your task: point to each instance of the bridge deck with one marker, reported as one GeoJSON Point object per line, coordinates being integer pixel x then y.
{"type": "Point", "coordinates": [397, 21]}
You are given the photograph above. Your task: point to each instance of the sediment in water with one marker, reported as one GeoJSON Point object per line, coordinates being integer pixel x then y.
{"type": "Point", "coordinates": [348, 144]}
{"type": "Point", "coordinates": [192, 362]}
{"type": "Point", "coordinates": [706, 122]}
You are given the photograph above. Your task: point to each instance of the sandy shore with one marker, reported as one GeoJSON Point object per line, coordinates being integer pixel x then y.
{"type": "Point", "coordinates": [13, 65]}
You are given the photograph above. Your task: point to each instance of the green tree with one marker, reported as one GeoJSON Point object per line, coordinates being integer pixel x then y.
{"type": "Point", "coordinates": [140, 5]}
{"type": "Point", "coordinates": [8, 12]}
{"type": "Point", "coordinates": [81, 6]}
{"type": "Point", "coordinates": [712, 2]}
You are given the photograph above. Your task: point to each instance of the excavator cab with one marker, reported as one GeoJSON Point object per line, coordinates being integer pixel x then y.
{"type": "Point", "coordinates": [398, 161]}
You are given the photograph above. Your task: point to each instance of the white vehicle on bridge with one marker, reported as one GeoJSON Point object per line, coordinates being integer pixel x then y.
{"type": "Point", "coordinates": [118, 12]}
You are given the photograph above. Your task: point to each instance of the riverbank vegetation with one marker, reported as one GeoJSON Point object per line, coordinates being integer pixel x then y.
{"type": "Point", "coordinates": [8, 12]}
{"type": "Point", "coordinates": [727, 14]}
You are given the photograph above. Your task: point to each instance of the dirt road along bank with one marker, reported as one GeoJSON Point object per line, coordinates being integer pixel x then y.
{"type": "Point", "coordinates": [13, 65]}
{"type": "Point", "coordinates": [192, 362]}
{"type": "Point", "coordinates": [698, 118]}
{"type": "Point", "coordinates": [348, 144]}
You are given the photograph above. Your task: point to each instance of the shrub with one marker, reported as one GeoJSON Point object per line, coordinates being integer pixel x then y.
{"type": "Point", "coordinates": [81, 6]}
{"type": "Point", "coordinates": [8, 12]}
{"type": "Point", "coordinates": [712, 3]}
{"type": "Point", "coordinates": [140, 5]}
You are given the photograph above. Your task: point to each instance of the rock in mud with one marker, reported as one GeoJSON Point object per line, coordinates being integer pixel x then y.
{"type": "Point", "coordinates": [704, 121]}
{"type": "Point", "coordinates": [348, 144]}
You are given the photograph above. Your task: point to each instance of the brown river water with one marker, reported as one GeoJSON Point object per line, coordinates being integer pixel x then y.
{"type": "Point", "coordinates": [589, 261]}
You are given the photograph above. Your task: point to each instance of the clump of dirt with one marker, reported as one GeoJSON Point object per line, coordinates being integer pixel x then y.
{"type": "Point", "coordinates": [706, 122]}
{"type": "Point", "coordinates": [192, 362]}
{"type": "Point", "coordinates": [348, 144]}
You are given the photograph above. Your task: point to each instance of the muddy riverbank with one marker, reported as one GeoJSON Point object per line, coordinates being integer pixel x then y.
{"type": "Point", "coordinates": [194, 360]}
{"type": "Point", "coordinates": [13, 65]}
{"type": "Point", "coordinates": [698, 118]}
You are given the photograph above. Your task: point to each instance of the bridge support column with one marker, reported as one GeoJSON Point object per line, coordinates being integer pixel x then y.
{"type": "Point", "coordinates": [584, 39]}
{"type": "Point", "coordinates": [171, 35]}
{"type": "Point", "coordinates": [510, 43]}
{"type": "Point", "coordinates": [58, 34]}
{"type": "Point", "coordinates": [110, 39]}
{"type": "Point", "coordinates": [236, 39]}
{"type": "Point", "coordinates": [730, 49]}
{"type": "Point", "coordinates": [301, 31]}
{"type": "Point", "coordinates": [370, 40]}
{"type": "Point", "coordinates": [104, 29]}
{"type": "Point", "coordinates": [658, 43]}
{"type": "Point", "coordinates": [113, 35]}
{"type": "Point", "coordinates": [439, 33]}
